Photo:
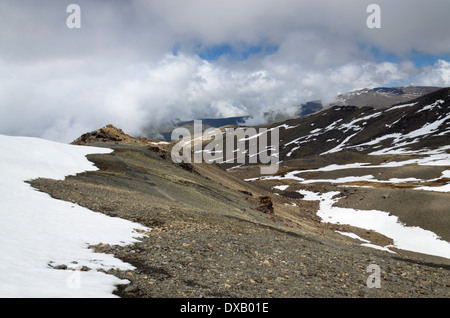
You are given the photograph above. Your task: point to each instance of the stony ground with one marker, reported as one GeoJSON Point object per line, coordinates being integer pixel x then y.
{"type": "Point", "coordinates": [210, 238]}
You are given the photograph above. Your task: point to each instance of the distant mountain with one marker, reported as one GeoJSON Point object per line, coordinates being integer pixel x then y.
{"type": "Point", "coordinates": [378, 98]}
{"type": "Point", "coordinates": [217, 122]}
{"type": "Point", "coordinates": [423, 123]}
{"type": "Point", "coordinates": [381, 97]}
{"type": "Point", "coordinates": [166, 131]}
{"type": "Point", "coordinates": [309, 108]}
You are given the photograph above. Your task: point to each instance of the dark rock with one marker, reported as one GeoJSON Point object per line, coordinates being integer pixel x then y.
{"type": "Point", "coordinates": [62, 266]}
{"type": "Point", "coordinates": [266, 205]}
{"type": "Point", "coordinates": [292, 195]}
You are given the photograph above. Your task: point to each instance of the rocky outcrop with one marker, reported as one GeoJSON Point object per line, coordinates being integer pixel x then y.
{"type": "Point", "coordinates": [265, 205]}
{"type": "Point", "coordinates": [108, 133]}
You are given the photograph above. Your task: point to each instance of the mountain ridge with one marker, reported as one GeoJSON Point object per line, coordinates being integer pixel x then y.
{"type": "Point", "coordinates": [380, 97]}
{"type": "Point", "coordinates": [221, 230]}
{"type": "Point", "coordinates": [347, 127]}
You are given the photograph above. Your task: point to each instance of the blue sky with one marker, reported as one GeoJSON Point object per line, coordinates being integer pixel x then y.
{"type": "Point", "coordinates": [420, 59]}
{"type": "Point", "coordinates": [213, 53]}
{"type": "Point", "coordinates": [243, 52]}
{"type": "Point", "coordinates": [424, 59]}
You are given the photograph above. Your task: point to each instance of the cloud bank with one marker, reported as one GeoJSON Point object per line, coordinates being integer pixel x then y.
{"type": "Point", "coordinates": [139, 64]}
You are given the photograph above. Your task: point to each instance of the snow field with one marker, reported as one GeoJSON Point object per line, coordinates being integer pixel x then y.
{"type": "Point", "coordinates": [38, 232]}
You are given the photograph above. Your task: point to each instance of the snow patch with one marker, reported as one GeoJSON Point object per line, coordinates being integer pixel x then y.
{"type": "Point", "coordinates": [38, 232]}
{"type": "Point", "coordinates": [406, 238]}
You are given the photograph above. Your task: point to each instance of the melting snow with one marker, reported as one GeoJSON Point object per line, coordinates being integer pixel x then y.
{"type": "Point", "coordinates": [400, 106]}
{"type": "Point", "coordinates": [38, 232]}
{"type": "Point", "coordinates": [430, 107]}
{"type": "Point", "coordinates": [406, 238]}
{"type": "Point", "coordinates": [281, 187]}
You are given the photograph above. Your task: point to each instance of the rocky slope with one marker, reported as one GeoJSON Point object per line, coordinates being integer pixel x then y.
{"type": "Point", "coordinates": [422, 123]}
{"type": "Point", "coordinates": [210, 237]}
{"type": "Point", "coordinates": [216, 235]}
{"type": "Point", "coordinates": [394, 160]}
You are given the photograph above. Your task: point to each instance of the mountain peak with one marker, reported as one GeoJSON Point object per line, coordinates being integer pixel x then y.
{"type": "Point", "coordinates": [109, 133]}
{"type": "Point", "coordinates": [380, 97]}
{"type": "Point", "coordinates": [420, 124]}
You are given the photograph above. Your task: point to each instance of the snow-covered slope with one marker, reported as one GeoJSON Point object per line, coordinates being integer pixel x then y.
{"type": "Point", "coordinates": [38, 233]}
{"type": "Point", "coordinates": [415, 126]}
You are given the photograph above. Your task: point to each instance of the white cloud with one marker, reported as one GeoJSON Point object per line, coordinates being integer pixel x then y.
{"type": "Point", "coordinates": [436, 75]}
{"type": "Point", "coordinates": [72, 99]}
{"type": "Point", "coordinates": [118, 68]}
